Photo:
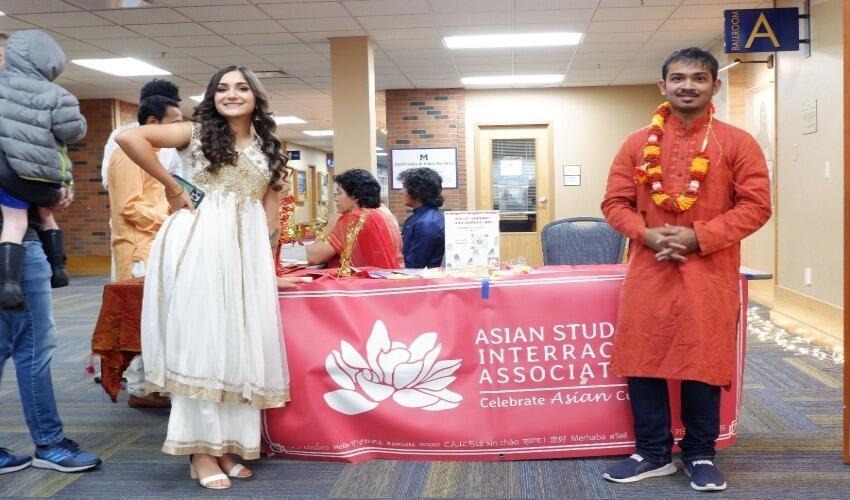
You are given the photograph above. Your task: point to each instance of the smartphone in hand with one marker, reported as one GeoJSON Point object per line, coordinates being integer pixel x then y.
{"type": "Point", "coordinates": [195, 193]}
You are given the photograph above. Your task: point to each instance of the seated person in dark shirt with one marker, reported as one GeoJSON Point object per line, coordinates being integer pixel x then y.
{"type": "Point", "coordinates": [424, 232]}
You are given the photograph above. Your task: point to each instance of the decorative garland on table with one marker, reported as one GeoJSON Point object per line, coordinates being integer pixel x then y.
{"type": "Point", "coordinates": [650, 171]}
{"type": "Point", "coordinates": [287, 206]}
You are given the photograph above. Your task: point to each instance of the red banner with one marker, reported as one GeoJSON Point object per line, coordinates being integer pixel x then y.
{"type": "Point", "coordinates": [507, 369]}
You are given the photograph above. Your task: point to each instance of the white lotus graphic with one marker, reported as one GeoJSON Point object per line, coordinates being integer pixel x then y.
{"type": "Point", "coordinates": [410, 374]}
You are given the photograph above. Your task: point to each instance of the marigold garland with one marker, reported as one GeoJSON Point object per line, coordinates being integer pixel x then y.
{"type": "Point", "coordinates": [650, 171]}
{"type": "Point", "coordinates": [287, 206]}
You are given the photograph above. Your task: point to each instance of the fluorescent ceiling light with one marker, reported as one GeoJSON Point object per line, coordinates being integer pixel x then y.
{"type": "Point", "coordinates": [283, 120]}
{"type": "Point", "coordinates": [511, 79]}
{"type": "Point", "coordinates": [197, 98]}
{"type": "Point", "coordinates": [2, 13]}
{"type": "Point", "coordinates": [512, 40]}
{"type": "Point", "coordinates": [319, 133]}
{"type": "Point", "coordinates": [378, 148]}
{"type": "Point", "coordinates": [122, 66]}
{"type": "Point", "coordinates": [381, 154]}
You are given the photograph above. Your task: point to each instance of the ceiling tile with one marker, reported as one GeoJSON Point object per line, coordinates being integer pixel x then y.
{"type": "Point", "coordinates": [230, 50]}
{"type": "Point", "coordinates": [221, 61]}
{"type": "Point", "coordinates": [688, 24]}
{"type": "Point", "coordinates": [637, 3]}
{"type": "Point", "coordinates": [170, 29]}
{"type": "Point", "coordinates": [386, 7]}
{"type": "Point", "coordinates": [195, 3]}
{"type": "Point", "coordinates": [706, 11]}
{"type": "Point", "coordinates": [304, 10]}
{"type": "Point", "coordinates": [623, 26]}
{"type": "Point", "coordinates": [633, 13]}
{"type": "Point", "coordinates": [322, 36]}
{"type": "Point", "coordinates": [446, 6]}
{"type": "Point", "coordinates": [639, 36]}
{"type": "Point", "coordinates": [223, 13]}
{"type": "Point", "coordinates": [550, 27]}
{"type": "Point", "coordinates": [553, 16]}
{"type": "Point", "coordinates": [669, 35]}
{"type": "Point", "coordinates": [12, 7]}
{"type": "Point", "coordinates": [11, 24]}
{"type": "Point", "coordinates": [320, 24]}
{"type": "Point", "coordinates": [389, 22]}
{"type": "Point", "coordinates": [194, 41]}
{"type": "Point", "coordinates": [285, 48]}
{"type": "Point", "coordinates": [473, 18]}
{"type": "Point", "coordinates": [555, 4]}
{"type": "Point", "coordinates": [404, 34]}
{"type": "Point", "coordinates": [84, 32]}
{"type": "Point", "coordinates": [424, 43]}
{"type": "Point", "coordinates": [131, 47]}
{"type": "Point", "coordinates": [57, 20]}
{"type": "Point", "coordinates": [142, 16]}
{"type": "Point", "coordinates": [263, 38]}
{"type": "Point", "coordinates": [244, 27]}
{"type": "Point", "coordinates": [495, 29]}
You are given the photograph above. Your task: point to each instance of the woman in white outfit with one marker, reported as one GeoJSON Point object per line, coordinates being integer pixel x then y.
{"type": "Point", "coordinates": [211, 333]}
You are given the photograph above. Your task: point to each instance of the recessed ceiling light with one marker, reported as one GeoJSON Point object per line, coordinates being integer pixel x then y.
{"type": "Point", "coordinates": [512, 40]}
{"type": "Point", "coordinates": [283, 120]}
{"type": "Point", "coordinates": [2, 13]}
{"type": "Point", "coordinates": [511, 79]}
{"type": "Point", "coordinates": [319, 133]}
{"type": "Point", "coordinates": [121, 66]}
{"type": "Point", "coordinates": [197, 98]}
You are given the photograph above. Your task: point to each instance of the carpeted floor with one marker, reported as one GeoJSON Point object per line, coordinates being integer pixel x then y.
{"type": "Point", "coordinates": [789, 443]}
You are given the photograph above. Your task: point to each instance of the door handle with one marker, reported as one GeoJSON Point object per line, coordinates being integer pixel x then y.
{"type": "Point", "coordinates": [543, 200]}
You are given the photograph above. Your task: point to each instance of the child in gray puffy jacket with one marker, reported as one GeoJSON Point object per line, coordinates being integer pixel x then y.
{"type": "Point", "coordinates": [37, 119]}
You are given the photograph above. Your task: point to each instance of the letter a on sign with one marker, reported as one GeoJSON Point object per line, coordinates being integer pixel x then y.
{"type": "Point", "coordinates": [761, 30]}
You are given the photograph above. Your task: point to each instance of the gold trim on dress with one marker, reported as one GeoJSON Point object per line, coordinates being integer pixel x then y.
{"type": "Point", "coordinates": [214, 449]}
{"type": "Point", "coordinates": [350, 241]}
{"type": "Point", "coordinates": [227, 393]}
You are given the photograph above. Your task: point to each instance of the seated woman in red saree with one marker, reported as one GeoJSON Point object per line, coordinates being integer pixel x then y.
{"type": "Point", "coordinates": [365, 233]}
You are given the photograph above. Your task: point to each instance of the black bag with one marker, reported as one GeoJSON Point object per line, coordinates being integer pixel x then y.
{"type": "Point", "coordinates": [40, 194]}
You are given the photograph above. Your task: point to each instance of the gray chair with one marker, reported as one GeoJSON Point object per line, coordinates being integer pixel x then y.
{"type": "Point", "coordinates": [582, 240]}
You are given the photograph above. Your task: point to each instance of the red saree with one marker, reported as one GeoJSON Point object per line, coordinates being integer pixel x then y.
{"type": "Point", "coordinates": [377, 244]}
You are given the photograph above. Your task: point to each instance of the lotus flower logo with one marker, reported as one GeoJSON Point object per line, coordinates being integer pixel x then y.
{"type": "Point", "coordinates": [410, 374]}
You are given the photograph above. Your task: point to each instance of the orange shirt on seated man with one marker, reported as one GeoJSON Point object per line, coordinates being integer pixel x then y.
{"type": "Point", "coordinates": [368, 230]}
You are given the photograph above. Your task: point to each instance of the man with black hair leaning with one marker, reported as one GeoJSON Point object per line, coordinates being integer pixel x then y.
{"type": "Point", "coordinates": [137, 201]}
{"type": "Point", "coordinates": [685, 190]}
{"type": "Point", "coordinates": [424, 232]}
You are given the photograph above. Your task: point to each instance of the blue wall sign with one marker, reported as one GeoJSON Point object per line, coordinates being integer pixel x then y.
{"type": "Point", "coordinates": [761, 30]}
{"type": "Point", "coordinates": [294, 155]}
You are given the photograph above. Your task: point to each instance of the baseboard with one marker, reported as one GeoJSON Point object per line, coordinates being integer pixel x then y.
{"type": "Point", "coordinates": [810, 314]}
{"type": "Point", "coordinates": [89, 265]}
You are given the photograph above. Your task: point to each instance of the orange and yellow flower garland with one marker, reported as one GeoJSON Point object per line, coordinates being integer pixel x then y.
{"type": "Point", "coordinates": [650, 171]}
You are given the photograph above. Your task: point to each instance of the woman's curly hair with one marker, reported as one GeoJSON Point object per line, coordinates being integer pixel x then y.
{"type": "Point", "coordinates": [217, 140]}
{"type": "Point", "coordinates": [361, 186]}
{"type": "Point", "coordinates": [423, 184]}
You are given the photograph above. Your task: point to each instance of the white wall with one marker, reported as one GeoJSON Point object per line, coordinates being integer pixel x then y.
{"type": "Point", "coordinates": [809, 214]}
{"type": "Point", "coordinates": [589, 124]}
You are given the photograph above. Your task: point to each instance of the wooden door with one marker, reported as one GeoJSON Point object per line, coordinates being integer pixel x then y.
{"type": "Point", "coordinates": [514, 173]}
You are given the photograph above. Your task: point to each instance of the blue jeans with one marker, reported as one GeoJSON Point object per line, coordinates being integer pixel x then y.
{"type": "Point", "coordinates": [700, 413]}
{"type": "Point", "coordinates": [29, 337]}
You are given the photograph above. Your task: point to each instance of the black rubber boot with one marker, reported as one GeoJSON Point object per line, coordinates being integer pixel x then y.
{"type": "Point", "coordinates": [54, 246]}
{"type": "Point", "coordinates": [11, 264]}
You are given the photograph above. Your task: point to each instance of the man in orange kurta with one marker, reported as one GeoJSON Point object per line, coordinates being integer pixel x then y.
{"type": "Point", "coordinates": [138, 207]}
{"type": "Point", "coordinates": [137, 201]}
{"type": "Point", "coordinates": [679, 303]}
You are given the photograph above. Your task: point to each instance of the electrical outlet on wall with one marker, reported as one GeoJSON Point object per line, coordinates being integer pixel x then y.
{"type": "Point", "coordinates": [807, 276]}
{"type": "Point", "coordinates": [826, 168]}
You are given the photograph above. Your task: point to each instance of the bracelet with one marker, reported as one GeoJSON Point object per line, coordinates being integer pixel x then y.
{"type": "Point", "coordinates": [175, 195]}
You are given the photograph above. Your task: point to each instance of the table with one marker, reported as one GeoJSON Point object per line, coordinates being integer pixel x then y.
{"type": "Point", "coordinates": [460, 369]}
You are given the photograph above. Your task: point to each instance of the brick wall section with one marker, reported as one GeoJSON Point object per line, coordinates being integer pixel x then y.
{"type": "Point", "coordinates": [433, 118]}
{"type": "Point", "coordinates": [85, 222]}
{"type": "Point", "coordinates": [127, 112]}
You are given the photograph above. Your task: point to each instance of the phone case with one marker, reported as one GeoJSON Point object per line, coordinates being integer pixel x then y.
{"type": "Point", "coordinates": [195, 194]}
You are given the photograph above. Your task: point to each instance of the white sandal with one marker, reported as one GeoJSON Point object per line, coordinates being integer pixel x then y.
{"type": "Point", "coordinates": [205, 482]}
{"type": "Point", "coordinates": [234, 472]}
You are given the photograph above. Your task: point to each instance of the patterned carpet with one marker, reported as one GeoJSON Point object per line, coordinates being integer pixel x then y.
{"type": "Point", "coordinates": [789, 442]}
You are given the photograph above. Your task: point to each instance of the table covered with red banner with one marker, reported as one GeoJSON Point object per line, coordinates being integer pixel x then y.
{"type": "Point", "coordinates": [462, 369]}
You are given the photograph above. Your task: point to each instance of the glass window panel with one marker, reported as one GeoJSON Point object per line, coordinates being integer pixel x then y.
{"type": "Point", "coordinates": [515, 184]}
